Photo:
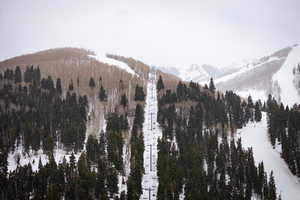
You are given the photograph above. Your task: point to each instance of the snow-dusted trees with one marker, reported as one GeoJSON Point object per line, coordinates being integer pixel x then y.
{"type": "Point", "coordinates": [41, 115]}
{"type": "Point", "coordinates": [283, 127]}
{"type": "Point", "coordinates": [192, 155]}
{"type": "Point", "coordinates": [134, 184]}
{"type": "Point", "coordinates": [257, 114]}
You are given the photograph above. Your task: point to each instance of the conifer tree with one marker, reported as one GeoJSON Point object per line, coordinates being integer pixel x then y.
{"type": "Point", "coordinates": [257, 112]}
{"type": "Point", "coordinates": [102, 94]}
{"type": "Point", "coordinates": [272, 188]}
{"type": "Point", "coordinates": [212, 87]}
{"type": "Point", "coordinates": [18, 75]}
{"type": "Point", "coordinates": [124, 100]}
{"type": "Point", "coordinates": [58, 86]}
{"type": "Point", "coordinates": [139, 93]}
{"type": "Point", "coordinates": [92, 83]}
{"type": "Point", "coordinates": [160, 84]}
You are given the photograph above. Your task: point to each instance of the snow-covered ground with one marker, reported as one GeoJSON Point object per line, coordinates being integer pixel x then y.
{"type": "Point", "coordinates": [59, 153]}
{"type": "Point", "coordinates": [284, 78]}
{"type": "Point", "coordinates": [151, 132]}
{"type": "Point", "coordinates": [255, 94]}
{"type": "Point", "coordinates": [103, 58]}
{"type": "Point", "coordinates": [33, 157]}
{"type": "Point", "coordinates": [245, 69]}
{"type": "Point", "coordinates": [255, 135]}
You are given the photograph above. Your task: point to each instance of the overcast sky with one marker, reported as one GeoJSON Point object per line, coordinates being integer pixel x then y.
{"type": "Point", "coordinates": [159, 32]}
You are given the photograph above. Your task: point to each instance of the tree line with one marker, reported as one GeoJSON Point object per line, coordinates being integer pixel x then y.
{"type": "Point", "coordinates": [283, 128]}
{"type": "Point", "coordinates": [197, 158]}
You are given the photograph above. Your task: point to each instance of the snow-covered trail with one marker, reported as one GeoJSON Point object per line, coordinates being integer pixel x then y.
{"type": "Point", "coordinates": [255, 135]}
{"type": "Point", "coordinates": [284, 77]}
{"type": "Point", "coordinates": [151, 133]}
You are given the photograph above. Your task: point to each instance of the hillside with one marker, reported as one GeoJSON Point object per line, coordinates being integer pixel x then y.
{"type": "Point", "coordinates": [269, 74]}
{"type": "Point", "coordinates": [79, 66]}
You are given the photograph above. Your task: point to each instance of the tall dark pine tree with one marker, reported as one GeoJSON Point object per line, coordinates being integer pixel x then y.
{"type": "Point", "coordinates": [257, 113]}
{"type": "Point", "coordinates": [272, 187]}
{"type": "Point", "coordinates": [102, 94]}
{"type": "Point", "coordinates": [18, 75]}
{"type": "Point", "coordinates": [212, 87]}
{"type": "Point", "coordinates": [124, 100]}
{"type": "Point", "coordinates": [139, 93]}
{"type": "Point", "coordinates": [160, 84]}
{"type": "Point", "coordinates": [58, 86]}
{"type": "Point", "coordinates": [92, 83]}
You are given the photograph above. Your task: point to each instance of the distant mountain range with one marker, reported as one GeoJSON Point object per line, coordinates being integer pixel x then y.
{"type": "Point", "coordinates": [199, 73]}
{"type": "Point", "coordinates": [271, 74]}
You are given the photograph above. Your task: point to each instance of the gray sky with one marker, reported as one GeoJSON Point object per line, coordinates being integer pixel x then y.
{"type": "Point", "coordinates": [166, 33]}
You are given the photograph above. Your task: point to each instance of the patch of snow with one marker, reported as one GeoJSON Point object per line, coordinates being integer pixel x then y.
{"type": "Point", "coordinates": [255, 94]}
{"type": "Point", "coordinates": [101, 57]}
{"type": "Point", "coordinates": [255, 135]}
{"type": "Point", "coordinates": [33, 157]}
{"type": "Point", "coordinates": [284, 78]}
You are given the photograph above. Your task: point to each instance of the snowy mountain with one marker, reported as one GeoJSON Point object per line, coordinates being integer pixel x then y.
{"type": "Point", "coordinates": [199, 73]}
{"type": "Point", "coordinates": [271, 74]}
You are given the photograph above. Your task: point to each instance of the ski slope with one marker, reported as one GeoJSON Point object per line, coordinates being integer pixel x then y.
{"type": "Point", "coordinates": [151, 132]}
{"type": "Point", "coordinates": [255, 135]}
{"type": "Point", "coordinates": [101, 57]}
{"type": "Point", "coordinates": [284, 77]}
{"type": "Point", "coordinates": [245, 69]}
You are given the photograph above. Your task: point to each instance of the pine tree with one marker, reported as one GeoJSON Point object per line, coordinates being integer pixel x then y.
{"type": "Point", "coordinates": [18, 75]}
{"type": "Point", "coordinates": [160, 84]}
{"type": "Point", "coordinates": [92, 83]}
{"type": "Point", "coordinates": [102, 94]}
{"type": "Point", "coordinates": [257, 111]}
{"type": "Point", "coordinates": [212, 87]}
{"type": "Point", "coordinates": [272, 187]}
{"type": "Point", "coordinates": [124, 100]}
{"type": "Point", "coordinates": [139, 93]}
{"type": "Point", "coordinates": [58, 86]}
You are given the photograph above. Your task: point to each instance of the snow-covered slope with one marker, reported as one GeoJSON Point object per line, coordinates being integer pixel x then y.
{"type": "Point", "coordinates": [247, 68]}
{"type": "Point", "coordinates": [194, 72]}
{"type": "Point", "coordinates": [255, 135]}
{"type": "Point", "coordinates": [271, 74]}
{"type": "Point", "coordinates": [199, 73]}
{"type": "Point", "coordinates": [284, 78]}
{"type": "Point", "coordinates": [101, 57]}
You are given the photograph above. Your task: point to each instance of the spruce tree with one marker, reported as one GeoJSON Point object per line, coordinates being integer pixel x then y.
{"type": "Point", "coordinates": [58, 86]}
{"type": "Point", "coordinates": [257, 112]}
{"type": "Point", "coordinates": [124, 100]}
{"type": "Point", "coordinates": [102, 94]}
{"type": "Point", "coordinates": [92, 83]}
{"type": "Point", "coordinates": [160, 84]}
{"type": "Point", "coordinates": [272, 188]}
{"type": "Point", "coordinates": [212, 87]}
{"type": "Point", "coordinates": [18, 75]}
